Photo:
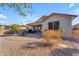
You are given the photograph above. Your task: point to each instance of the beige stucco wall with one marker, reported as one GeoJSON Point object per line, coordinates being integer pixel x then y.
{"type": "Point", "coordinates": [65, 24]}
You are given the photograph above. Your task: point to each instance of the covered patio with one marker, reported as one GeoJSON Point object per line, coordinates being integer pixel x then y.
{"type": "Point", "coordinates": [35, 26]}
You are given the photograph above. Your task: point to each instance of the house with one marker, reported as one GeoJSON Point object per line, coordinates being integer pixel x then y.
{"type": "Point", "coordinates": [55, 21]}
{"type": "Point", "coordinates": [22, 27]}
{"type": "Point", "coordinates": [8, 27]}
{"type": "Point", "coordinates": [5, 27]}
{"type": "Point", "coordinates": [75, 27]}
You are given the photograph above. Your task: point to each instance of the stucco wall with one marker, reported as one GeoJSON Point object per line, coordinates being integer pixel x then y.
{"type": "Point", "coordinates": [65, 24]}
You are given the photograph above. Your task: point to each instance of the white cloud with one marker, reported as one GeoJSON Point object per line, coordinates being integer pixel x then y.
{"type": "Point", "coordinates": [71, 5]}
{"type": "Point", "coordinates": [75, 11]}
{"type": "Point", "coordinates": [2, 17]}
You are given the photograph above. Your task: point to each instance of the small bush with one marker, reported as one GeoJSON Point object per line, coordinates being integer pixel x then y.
{"type": "Point", "coordinates": [15, 28]}
{"type": "Point", "coordinates": [52, 35]}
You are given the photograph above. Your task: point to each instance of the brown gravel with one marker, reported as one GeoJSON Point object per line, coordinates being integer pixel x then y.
{"type": "Point", "coordinates": [29, 46]}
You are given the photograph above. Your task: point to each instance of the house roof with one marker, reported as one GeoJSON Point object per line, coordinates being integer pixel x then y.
{"type": "Point", "coordinates": [54, 14]}
{"type": "Point", "coordinates": [5, 25]}
{"type": "Point", "coordinates": [43, 18]}
{"type": "Point", "coordinates": [63, 14]}
{"type": "Point", "coordinates": [76, 25]}
{"type": "Point", "coordinates": [22, 25]}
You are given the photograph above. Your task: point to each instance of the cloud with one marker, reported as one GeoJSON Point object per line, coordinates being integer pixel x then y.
{"type": "Point", "coordinates": [71, 5]}
{"type": "Point", "coordinates": [75, 11]}
{"type": "Point", "coordinates": [2, 17]}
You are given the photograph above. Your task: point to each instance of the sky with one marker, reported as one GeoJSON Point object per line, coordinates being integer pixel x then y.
{"type": "Point", "coordinates": [9, 16]}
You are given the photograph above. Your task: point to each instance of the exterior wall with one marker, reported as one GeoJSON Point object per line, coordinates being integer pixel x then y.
{"type": "Point", "coordinates": [65, 25]}
{"type": "Point", "coordinates": [51, 19]}
{"type": "Point", "coordinates": [77, 27]}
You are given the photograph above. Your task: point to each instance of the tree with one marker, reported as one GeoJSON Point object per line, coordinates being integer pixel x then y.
{"type": "Point", "coordinates": [15, 28]}
{"type": "Point", "coordinates": [22, 8]}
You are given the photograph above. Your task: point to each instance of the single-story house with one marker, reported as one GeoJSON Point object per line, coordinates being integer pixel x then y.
{"type": "Point", "coordinates": [75, 27]}
{"type": "Point", "coordinates": [55, 21]}
{"type": "Point", "coordinates": [23, 27]}
{"type": "Point", "coordinates": [5, 27]}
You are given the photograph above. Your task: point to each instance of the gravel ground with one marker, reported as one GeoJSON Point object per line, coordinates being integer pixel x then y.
{"type": "Point", "coordinates": [31, 46]}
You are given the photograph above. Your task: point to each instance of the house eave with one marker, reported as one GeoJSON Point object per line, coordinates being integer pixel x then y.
{"type": "Point", "coordinates": [34, 24]}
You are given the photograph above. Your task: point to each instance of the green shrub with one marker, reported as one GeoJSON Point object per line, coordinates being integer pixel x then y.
{"type": "Point", "coordinates": [60, 30]}
{"type": "Point", "coordinates": [15, 28]}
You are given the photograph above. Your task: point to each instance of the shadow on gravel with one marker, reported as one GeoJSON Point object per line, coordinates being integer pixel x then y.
{"type": "Point", "coordinates": [65, 52]}
{"type": "Point", "coordinates": [35, 45]}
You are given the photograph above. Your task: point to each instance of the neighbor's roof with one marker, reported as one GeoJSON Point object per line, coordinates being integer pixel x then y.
{"type": "Point", "coordinates": [5, 25]}
{"type": "Point", "coordinates": [76, 25]}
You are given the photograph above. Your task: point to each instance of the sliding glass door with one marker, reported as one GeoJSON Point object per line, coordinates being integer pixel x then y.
{"type": "Point", "coordinates": [53, 25]}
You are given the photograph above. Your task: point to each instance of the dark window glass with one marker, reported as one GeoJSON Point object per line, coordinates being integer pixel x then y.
{"type": "Point", "coordinates": [50, 25]}
{"type": "Point", "coordinates": [53, 25]}
{"type": "Point", "coordinates": [56, 25]}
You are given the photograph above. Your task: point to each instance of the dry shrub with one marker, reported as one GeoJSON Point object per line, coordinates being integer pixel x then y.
{"type": "Point", "coordinates": [52, 36]}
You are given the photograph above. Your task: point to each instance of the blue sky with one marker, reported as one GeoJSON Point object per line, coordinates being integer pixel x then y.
{"type": "Point", "coordinates": [9, 16]}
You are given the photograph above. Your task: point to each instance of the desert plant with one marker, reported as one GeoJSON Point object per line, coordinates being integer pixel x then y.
{"type": "Point", "coordinates": [60, 30]}
{"type": "Point", "coordinates": [15, 28]}
{"type": "Point", "coordinates": [52, 36]}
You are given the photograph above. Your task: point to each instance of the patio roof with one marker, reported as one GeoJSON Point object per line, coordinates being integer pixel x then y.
{"type": "Point", "coordinates": [32, 24]}
{"type": "Point", "coordinates": [75, 25]}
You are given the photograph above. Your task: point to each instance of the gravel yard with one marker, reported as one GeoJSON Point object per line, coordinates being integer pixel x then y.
{"type": "Point", "coordinates": [31, 46]}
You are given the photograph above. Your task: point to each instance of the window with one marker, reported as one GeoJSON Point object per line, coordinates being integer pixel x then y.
{"type": "Point", "coordinates": [50, 25]}
{"type": "Point", "coordinates": [53, 25]}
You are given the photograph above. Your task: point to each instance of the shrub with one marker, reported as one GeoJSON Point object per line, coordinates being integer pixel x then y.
{"type": "Point", "coordinates": [52, 36]}
{"type": "Point", "coordinates": [60, 30]}
{"type": "Point", "coordinates": [15, 28]}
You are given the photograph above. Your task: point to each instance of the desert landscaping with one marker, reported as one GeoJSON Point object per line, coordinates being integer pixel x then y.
{"type": "Point", "coordinates": [31, 29]}
{"type": "Point", "coordinates": [32, 45]}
